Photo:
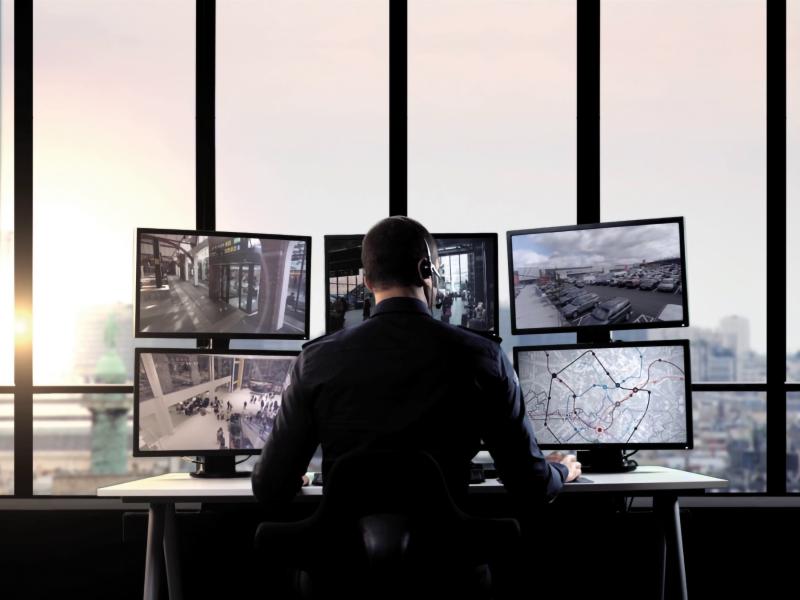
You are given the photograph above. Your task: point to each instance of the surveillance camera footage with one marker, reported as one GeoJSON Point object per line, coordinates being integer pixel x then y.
{"type": "Point", "coordinates": [202, 402]}
{"type": "Point", "coordinates": [466, 292]}
{"type": "Point", "coordinates": [601, 276]}
{"type": "Point", "coordinates": [192, 285]}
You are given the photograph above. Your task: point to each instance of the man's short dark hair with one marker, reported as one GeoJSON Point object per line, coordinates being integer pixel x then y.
{"type": "Point", "coordinates": [392, 249]}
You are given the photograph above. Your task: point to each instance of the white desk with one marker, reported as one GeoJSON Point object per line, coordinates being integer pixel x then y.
{"type": "Point", "coordinates": [163, 491]}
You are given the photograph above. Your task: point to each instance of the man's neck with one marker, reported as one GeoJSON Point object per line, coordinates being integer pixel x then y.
{"type": "Point", "coordinates": [401, 292]}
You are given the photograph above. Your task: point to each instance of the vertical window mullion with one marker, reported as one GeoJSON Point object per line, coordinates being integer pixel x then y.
{"type": "Point", "coordinates": [23, 247]}
{"type": "Point", "coordinates": [588, 108]}
{"type": "Point", "coordinates": [776, 249]}
{"type": "Point", "coordinates": [398, 107]}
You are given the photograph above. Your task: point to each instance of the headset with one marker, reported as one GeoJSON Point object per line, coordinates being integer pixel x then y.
{"type": "Point", "coordinates": [428, 270]}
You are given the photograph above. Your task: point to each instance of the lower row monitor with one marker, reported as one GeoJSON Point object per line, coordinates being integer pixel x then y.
{"type": "Point", "coordinates": [220, 403]}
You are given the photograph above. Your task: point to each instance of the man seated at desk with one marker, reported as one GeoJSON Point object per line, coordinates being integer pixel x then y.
{"type": "Point", "coordinates": [403, 380]}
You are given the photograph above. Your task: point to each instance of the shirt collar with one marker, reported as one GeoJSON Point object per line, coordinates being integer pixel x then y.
{"type": "Point", "coordinates": [401, 304]}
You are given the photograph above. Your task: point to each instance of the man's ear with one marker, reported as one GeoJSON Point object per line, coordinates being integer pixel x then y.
{"type": "Point", "coordinates": [368, 283]}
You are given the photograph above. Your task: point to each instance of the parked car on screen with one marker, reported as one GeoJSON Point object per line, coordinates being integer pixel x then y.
{"type": "Point", "coordinates": [667, 285]}
{"type": "Point", "coordinates": [632, 282]}
{"type": "Point", "coordinates": [565, 299]}
{"type": "Point", "coordinates": [580, 305]}
{"type": "Point", "coordinates": [615, 310]}
{"type": "Point", "coordinates": [648, 284]}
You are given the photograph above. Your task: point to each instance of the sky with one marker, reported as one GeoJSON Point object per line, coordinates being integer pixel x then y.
{"type": "Point", "coordinates": [302, 115]}
{"type": "Point", "coordinates": [597, 247]}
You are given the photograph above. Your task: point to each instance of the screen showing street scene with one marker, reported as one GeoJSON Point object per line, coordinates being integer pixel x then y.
{"type": "Point", "coordinates": [193, 285]}
{"type": "Point", "coordinates": [202, 402]}
{"type": "Point", "coordinates": [467, 290]}
{"type": "Point", "coordinates": [628, 395]}
{"type": "Point", "coordinates": [601, 277]}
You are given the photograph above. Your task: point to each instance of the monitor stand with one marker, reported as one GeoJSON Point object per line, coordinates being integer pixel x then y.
{"type": "Point", "coordinates": [218, 467]}
{"type": "Point", "coordinates": [604, 461]}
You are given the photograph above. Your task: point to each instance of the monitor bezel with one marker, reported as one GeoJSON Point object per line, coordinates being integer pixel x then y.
{"type": "Point", "coordinates": [197, 451]}
{"type": "Point", "coordinates": [220, 335]}
{"type": "Point", "coordinates": [492, 237]}
{"type": "Point", "coordinates": [617, 326]}
{"type": "Point", "coordinates": [634, 446]}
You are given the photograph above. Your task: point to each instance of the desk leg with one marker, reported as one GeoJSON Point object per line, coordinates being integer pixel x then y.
{"type": "Point", "coordinates": [152, 564]}
{"type": "Point", "coordinates": [672, 565]}
{"type": "Point", "coordinates": [171, 556]}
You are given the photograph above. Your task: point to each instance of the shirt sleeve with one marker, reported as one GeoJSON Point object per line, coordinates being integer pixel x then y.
{"type": "Point", "coordinates": [278, 475]}
{"type": "Point", "coordinates": [509, 436]}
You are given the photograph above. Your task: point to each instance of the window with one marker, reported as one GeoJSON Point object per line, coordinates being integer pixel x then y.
{"type": "Point", "coordinates": [793, 188]}
{"type": "Point", "coordinates": [84, 441]}
{"type": "Point", "coordinates": [6, 193]}
{"type": "Point", "coordinates": [303, 122]}
{"type": "Point", "coordinates": [113, 150]}
{"type": "Point", "coordinates": [730, 440]}
{"type": "Point", "coordinates": [491, 119]}
{"type": "Point", "coordinates": [683, 133]}
{"type": "Point", "coordinates": [6, 444]}
{"type": "Point", "coordinates": [793, 442]}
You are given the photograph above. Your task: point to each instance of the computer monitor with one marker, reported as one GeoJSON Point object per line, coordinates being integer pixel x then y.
{"type": "Point", "coordinates": [221, 285]}
{"type": "Point", "coordinates": [622, 275]}
{"type": "Point", "coordinates": [614, 396]}
{"type": "Point", "coordinates": [468, 294]}
{"type": "Point", "coordinates": [211, 404]}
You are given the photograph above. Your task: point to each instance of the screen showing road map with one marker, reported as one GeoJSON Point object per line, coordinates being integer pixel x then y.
{"type": "Point", "coordinates": [628, 395]}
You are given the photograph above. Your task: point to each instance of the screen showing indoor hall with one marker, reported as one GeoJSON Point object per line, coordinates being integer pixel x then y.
{"type": "Point", "coordinates": [190, 285]}
{"type": "Point", "coordinates": [200, 402]}
{"type": "Point", "coordinates": [467, 292]}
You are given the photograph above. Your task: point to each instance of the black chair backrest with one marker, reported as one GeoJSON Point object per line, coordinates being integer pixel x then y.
{"type": "Point", "coordinates": [404, 482]}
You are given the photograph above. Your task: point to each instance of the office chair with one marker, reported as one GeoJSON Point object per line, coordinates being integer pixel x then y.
{"type": "Point", "coordinates": [387, 527]}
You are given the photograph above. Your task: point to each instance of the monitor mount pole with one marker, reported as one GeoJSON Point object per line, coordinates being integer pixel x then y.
{"type": "Point", "coordinates": [216, 466]}
{"type": "Point", "coordinates": [602, 460]}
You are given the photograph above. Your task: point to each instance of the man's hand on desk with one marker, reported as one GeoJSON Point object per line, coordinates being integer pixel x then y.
{"type": "Point", "coordinates": [569, 460]}
{"type": "Point", "coordinates": [306, 480]}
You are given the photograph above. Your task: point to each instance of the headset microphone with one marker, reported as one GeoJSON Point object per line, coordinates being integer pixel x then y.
{"type": "Point", "coordinates": [426, 270]}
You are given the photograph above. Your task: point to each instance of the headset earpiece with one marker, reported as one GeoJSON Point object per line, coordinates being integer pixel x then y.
{"type": "Point", "coordinates": [425, 270]}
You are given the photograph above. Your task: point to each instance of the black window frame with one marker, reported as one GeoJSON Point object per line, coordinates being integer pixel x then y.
{"type": "Point", "coordinates": [588, 203]}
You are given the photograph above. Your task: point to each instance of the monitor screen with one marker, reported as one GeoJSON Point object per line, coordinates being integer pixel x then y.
{"type": "Point", "coordinates": [621, 394]}
{"type": "Point", "coordinates": [626, 275]}
{"type": "Point", "coordinates": [201, 402]}
{"type": "Point", "coordinates": [218, 284]}
{"type": "Point", "coordinates": [467, 292]}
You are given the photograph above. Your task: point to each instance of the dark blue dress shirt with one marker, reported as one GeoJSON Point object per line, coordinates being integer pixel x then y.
{"type": "Point", "coordinates": [403, 380]}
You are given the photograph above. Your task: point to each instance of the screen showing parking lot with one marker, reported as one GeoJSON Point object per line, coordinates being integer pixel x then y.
{"type": "Point", "coordinates": [195, 403]}
{"type": "Point", "coordinates": [632, 395]}
{"type": "Point", "coordinates": [614, 275]}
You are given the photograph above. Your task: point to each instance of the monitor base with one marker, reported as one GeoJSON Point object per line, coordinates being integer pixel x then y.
{"type": "Point", "coordinates": [217, 467]}
{"type": "Point", "coordinates": [605, 461]}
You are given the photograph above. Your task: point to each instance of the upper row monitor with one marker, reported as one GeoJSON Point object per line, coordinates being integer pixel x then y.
{"type": "Point", "coordinates": [622, 275]}
{"type": "Point", "coordinates": [466, 297]}
{"type": "Point", "coordinates": [221, 284]}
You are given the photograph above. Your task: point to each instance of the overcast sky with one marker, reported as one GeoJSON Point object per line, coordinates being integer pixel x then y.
{"type": "Point", "coordinates": [597, 247]}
